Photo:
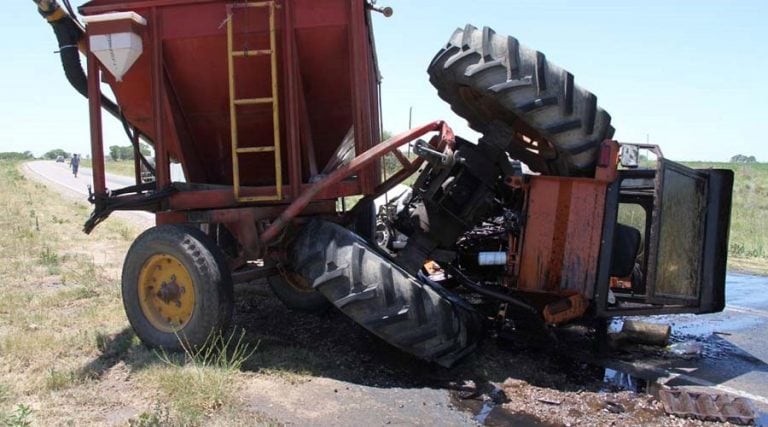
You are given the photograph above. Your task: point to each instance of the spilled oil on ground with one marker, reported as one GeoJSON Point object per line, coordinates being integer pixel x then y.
{"type": "Point", "coordinates": [518, 380]}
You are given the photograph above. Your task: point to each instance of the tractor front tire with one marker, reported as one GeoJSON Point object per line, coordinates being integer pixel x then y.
{"type": "Point", "coordinates": [177, 288]}
{"type": "Point", "coordinates": [509, 92]}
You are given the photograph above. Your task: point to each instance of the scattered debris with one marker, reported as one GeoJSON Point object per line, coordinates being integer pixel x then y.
{"type": "Point", "coordinates": [637, 332]}
{"type": "Point", "coordinates": [686, 349]}
{"type": "Point", "coordinates": [550, 401]}
{"type": "Point", "coordinates": [614, 408]}
{"type": "Point", "coordinates": [708, 406]}
{"type": "Point", "coordinates": [497, 395]}
{"type": "Point", "coordinates": [511, 384]}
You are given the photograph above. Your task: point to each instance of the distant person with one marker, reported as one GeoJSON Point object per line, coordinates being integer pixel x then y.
{"type": "Point", "coordinates": [75, 163]}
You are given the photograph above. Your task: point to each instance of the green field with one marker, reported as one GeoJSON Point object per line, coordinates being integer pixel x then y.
{"type": "Point", "coordinates": [124, 168]}
{"type": "Point", "coordinates": [748, 246]}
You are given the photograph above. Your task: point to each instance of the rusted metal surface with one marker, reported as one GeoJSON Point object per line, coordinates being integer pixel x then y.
{"type": "Point", "coordinates": [358, 163]}
{"type": "Point", "coordinates": [708, 406]}
{"type": "Point", "coordinates": [561, 311]}
{"type": "Point", "coordinates": [212, 198]}
{"type": "Point", "coordinates": [562, 235]}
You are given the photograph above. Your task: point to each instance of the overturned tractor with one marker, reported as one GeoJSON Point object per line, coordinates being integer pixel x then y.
{"type": "Point", "coordinates": [271, 108]}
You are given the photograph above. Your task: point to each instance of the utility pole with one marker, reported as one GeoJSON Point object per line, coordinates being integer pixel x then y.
{"type": "Point", "coordinates": [410, 126]}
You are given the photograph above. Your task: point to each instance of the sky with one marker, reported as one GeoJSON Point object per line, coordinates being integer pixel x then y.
{"type": "Point", "coordinates": [689, 76]}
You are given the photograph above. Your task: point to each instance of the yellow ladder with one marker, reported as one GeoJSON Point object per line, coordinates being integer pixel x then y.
{"type": "Point", "coordinates": [234, 103]}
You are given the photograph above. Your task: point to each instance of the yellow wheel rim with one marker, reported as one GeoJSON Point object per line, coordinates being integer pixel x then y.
{"type": "Point", "coordinates": [166, 293]}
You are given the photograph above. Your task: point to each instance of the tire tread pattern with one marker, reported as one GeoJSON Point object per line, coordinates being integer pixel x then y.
{"type": "Point", "coordinates": [529, 89]}
{"type": "Point", "coordinates": [382, 297]}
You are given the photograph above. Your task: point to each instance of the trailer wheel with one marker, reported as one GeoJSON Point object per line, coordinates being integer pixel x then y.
{"type": "Point", "coordinates": [294, 291]}
{"type": "Point", "coordinates": [176, 287]}
{"type": "Point", "coordinates": [506, 90]}
{"type": "Point", "coordinates": [428, 322]}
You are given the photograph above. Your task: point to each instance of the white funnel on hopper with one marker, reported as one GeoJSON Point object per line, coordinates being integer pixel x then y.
{"type": "Point", "coordinates": [114, 39]}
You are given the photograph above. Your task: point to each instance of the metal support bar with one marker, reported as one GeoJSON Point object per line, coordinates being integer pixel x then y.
{"type": "Point", "coordinates": [446, 137]}
{"type": "Point", "coordinates": [256, 150]}
{"type": "Point", "coordinates": [243, 53]}
{"type": "Point", "coordinates": [252, 101]}
{"type": "Point", "coordinates": [290, 58]}
{"type": "Point", "coordinates": [162, 165]}
{"type": "Point", "coordinates": [97, 142]}
{"type": "Point", "coordinates": [401, 158]}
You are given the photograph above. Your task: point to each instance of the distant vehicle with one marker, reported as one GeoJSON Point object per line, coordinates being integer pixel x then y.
{"type": "Point", "coordinates": [147, 174]}
{"type": "Point", "coordinates": [59, 159]}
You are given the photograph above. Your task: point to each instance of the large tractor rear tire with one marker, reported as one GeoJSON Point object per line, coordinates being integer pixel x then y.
{"type": "Point", "coordinates": [294, 290]}
{"type": "Point", "coordinates": [177, 288]}
{"type": "Point", "coordinates": [425, 321]}
{"type": "Point", "coordinates": [506, 90]}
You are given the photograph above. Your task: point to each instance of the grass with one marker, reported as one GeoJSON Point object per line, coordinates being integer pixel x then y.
{"type": "Point", "coordinates": [67, 354]}
{"type": "Point", "coordinates": [748, 241]}
{"type": "Point", "coordinates": [200, 381]}
{"type": "Point", "coordinates": [123, 168]}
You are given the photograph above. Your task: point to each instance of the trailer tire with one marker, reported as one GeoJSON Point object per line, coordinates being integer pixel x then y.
{"type": "Point", "coordinates": [428, 322]}
{"type": "Point", "coordinates": [293, 290]}
{"type": "Point", "coordinates": [503, 89]}
{"type": "Point", "coordinates": [176, 288]}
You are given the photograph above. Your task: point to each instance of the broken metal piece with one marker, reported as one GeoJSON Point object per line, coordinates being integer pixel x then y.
{"type": "Point", "coordinates": [708, 406]}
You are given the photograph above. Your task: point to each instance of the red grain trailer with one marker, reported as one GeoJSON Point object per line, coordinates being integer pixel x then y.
{"type": "Point", "coordinates": [272, 110]}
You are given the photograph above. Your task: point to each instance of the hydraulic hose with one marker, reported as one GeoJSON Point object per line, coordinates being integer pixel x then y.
{"type": "Point", "coordinates": [68, 34]}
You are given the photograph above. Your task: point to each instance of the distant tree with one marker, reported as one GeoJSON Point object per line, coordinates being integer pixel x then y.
{"type": "Point", "coordinates": [114, 152]}
{"type": "Point", "coordinates": [126, 153]}
{"type": "Point", "coordinates": [118, 153]}
{"type": "Point", "coordinates": [16, 155]}
{"type": "Point", "coordinates": [740, 158]}
{"type": "Point", "coordinates": [53, 154]}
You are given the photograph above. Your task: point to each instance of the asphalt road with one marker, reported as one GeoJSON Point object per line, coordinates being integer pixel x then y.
{"type": "Point", "coordinates": [59, 177]}
{"type": "Point", "coordinates": [732, 345]}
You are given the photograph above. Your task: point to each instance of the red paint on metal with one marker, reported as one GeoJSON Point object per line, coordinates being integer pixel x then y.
{"type": "Point", "coordinates": [97, 142]}
{"type": "Point", "coordinates": [293, 128]}
{"type": "Point", "coordinates": [162, 167]}
{"type": "Point", "coordinates": [117, 26]}
{"type": "Point", "coordinates": [221, 198]}
{"type": "Point", "coordinates": [185, 42]}
{"type": "Point", "coordinates": [609, 161]}
{"type": "Point", "coordinates": [356, 165]}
